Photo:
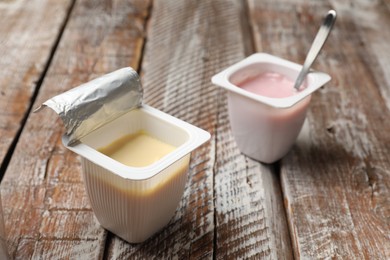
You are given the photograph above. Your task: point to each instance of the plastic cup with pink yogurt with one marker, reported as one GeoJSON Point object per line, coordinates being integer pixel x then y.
{"type": "Point", "coordinates": [266, 113]}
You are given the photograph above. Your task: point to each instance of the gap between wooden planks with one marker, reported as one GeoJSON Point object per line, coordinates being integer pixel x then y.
{"type": "Point", "coordinates": [29, 33]}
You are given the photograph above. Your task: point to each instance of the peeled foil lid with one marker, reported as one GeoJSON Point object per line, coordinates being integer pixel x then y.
{"type": "Point", "coordinates": [95, 103]}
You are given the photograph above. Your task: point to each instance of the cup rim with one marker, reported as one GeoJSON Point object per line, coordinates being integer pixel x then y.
{"type": "Point", "coordinates": [196, 138]}
{"type": "Point", "coordinates": [316, 80]}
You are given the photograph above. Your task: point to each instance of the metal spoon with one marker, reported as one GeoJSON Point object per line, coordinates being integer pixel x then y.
{"type": "Point", "coordinates": [316, 46]}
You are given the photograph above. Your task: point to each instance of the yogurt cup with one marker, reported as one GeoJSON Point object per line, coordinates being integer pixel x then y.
{"type": "Point", "coordinates": [131, 202]}
{"type": "Point", "coordinates": [136, 202]}
{"type": "Point", "coordinates": [265, 128]}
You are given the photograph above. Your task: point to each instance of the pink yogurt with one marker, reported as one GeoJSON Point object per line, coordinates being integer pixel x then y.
{"type": "Point", "coordinates": [270, 84]}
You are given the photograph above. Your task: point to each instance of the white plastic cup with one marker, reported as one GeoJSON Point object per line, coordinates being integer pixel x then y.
{"type": "Point", "coordinates": [136, 202]}
{"type": "Point", "coordinates": [265, 128]}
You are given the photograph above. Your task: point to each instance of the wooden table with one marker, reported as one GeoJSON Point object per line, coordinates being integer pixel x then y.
{"type": "Point", "coordinates": [328, 198]}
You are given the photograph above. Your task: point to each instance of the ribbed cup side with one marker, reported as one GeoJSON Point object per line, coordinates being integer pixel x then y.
{"type": "Point", "coordinates": [135, 209]}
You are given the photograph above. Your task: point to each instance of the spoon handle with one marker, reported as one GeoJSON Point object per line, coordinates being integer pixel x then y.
{"type": "Point", "coordinates": [315, 48]}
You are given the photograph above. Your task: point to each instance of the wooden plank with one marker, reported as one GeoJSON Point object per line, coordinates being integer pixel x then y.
{"type": "Point", "coordinates": [336, 180]}
{"type": "Point", "coordinates": [366, 19]}
{"type": "Point", "coordinates": [232, 206]}
{"type": "Point", "coordinates": [29, 31]}
{"type": "Point", "coordinates": [47, 213]}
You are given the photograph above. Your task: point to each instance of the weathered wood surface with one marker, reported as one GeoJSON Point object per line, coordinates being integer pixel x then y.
{"type": "Point", "coordinates": [28, 33]}
{"type": "Point", "coordinates": [336, 180]}
{"type": "Point", "coordinates": [335, 183]}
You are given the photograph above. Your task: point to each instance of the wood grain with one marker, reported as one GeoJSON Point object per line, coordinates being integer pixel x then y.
{"type": "Point", "coordinates": [336, 180]}
{"type": "Point", "coordinates": [29, 32]}
{"type": "Point", "coordinates": [232, 206]}
{"type": "Point", "coordinates": [47, 213]}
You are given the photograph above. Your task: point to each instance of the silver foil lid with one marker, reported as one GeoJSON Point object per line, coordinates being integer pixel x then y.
{"type": "Point", "coordinates": [97, 102]}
